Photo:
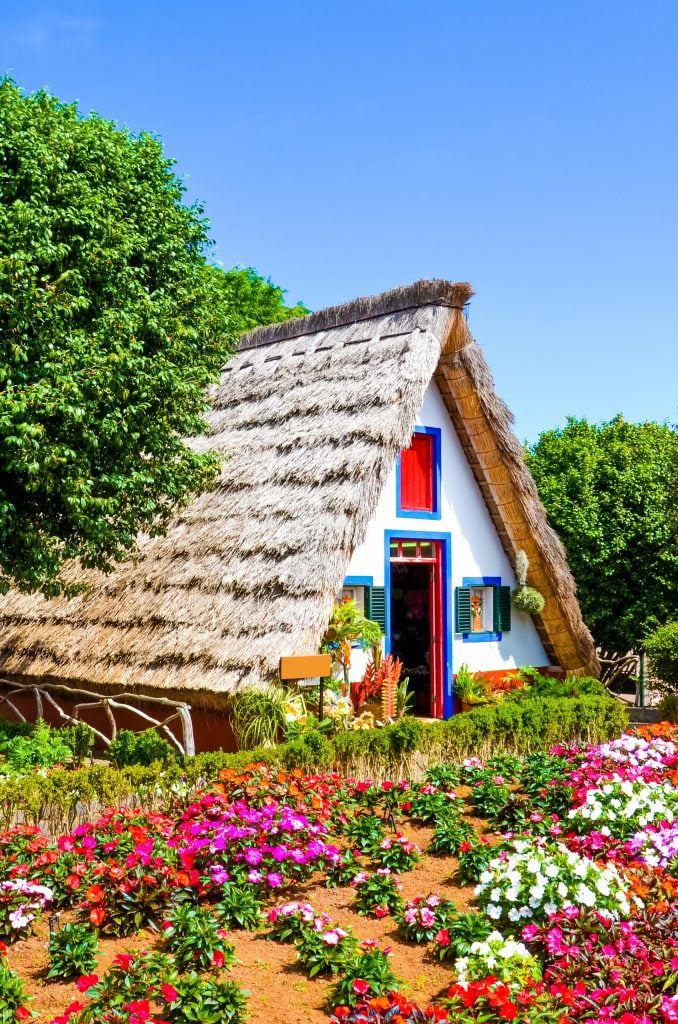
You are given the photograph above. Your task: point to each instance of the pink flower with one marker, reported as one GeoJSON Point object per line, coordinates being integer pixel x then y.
{"type": "Point", "coordinates": [360, 987]}
{"type": "Point", "coordinates": [669, 1009]}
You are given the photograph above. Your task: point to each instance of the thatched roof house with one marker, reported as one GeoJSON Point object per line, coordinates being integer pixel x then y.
{"type": "Point", "coordinates": [311, 415]}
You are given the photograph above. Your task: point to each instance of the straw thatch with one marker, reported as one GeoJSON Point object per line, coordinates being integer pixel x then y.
{"type": "Point", "coordinates": [309, 415]}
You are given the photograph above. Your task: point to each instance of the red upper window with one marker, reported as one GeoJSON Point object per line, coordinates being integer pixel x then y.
{"type": "Point", "coordinates": [417, 475]}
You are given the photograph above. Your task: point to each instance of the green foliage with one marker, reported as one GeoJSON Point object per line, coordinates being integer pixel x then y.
{"type": "Point", "coordinates": [364, 832]}
{"type": "Point", "coordinates": [449, 834]}
{"type": "Point", "coordinates": [143, 748]}
{"type": "Point", "coordinates": [528, 600]}
{"type": "Point", "coordinates": [64, 797]}
{"type": "Point", "coordinates": [113, 325]}
{"type": "Point", "coordinates": [257, 715]}
{"type": "Point", "coordinates": [12, 994]}
{"type": "Point", "coordinates": [36, 745]}
{"type": "Point", "coordinates": [349, 625]}
{"type": "Point", "coordinates": [311, 750]}
{"type": "Point", "coordinates": [253, 301]}
{"type": "Point", "coordinates": [371, 967]}
{"type": "Point", "coordinates": [378, 894]}
{"type": "Point", "coordinates": [204, 1001]}
{"type": "Point", "coordinates": [470, 687]}
{"type": "Point", "coordinates": [80, 738]}
{"type": "Point", "coordinates": [193, 935]}
{"type": "Point", "coordinates": [320, 957]}
{"type": "Point", "coordinates": [538, 685]}
{"type": "Point", "coordinates": [239, 907]}
{"type": "Point", "coordinates": [661, 648]}
{"type": "Point", "coordinates": [473, 862]}
{"type": "Point", "coordinates": [72, 951]}
{"type": "Point", "coordinates": [461, 933]}
{"type": "Point", "coordinates": [668, 709]}
{"type": "Point", "coordinates": [606, 489]}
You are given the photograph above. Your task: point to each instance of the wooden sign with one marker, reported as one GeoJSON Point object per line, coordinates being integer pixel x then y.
{"type": "Point", "coordinates": [306, 666]}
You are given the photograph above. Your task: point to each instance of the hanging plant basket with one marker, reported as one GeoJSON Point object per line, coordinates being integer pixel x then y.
{"type": "Point", "coordinates": [528, 599]}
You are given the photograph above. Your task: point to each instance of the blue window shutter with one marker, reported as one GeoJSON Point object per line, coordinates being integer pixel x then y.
{"type": "Point", "coordinates": [462, 609]}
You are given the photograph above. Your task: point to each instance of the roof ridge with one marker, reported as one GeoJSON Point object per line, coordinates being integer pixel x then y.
{"type": "Point", "coordinates": [421, 293]}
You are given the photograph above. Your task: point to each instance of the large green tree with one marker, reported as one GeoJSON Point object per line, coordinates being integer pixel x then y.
{"type": "Point", "coordinates": [607, 490]}
{"type": "Point", "coordinates": [112, 324]}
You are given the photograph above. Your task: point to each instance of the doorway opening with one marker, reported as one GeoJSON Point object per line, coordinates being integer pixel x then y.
{"type": "Point", "coordinates": [417, 620]}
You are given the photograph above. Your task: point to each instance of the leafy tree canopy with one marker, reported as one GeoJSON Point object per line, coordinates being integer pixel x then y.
{"type": "Point", "coordinates": [112, 324]}
{"type": "Point", "coordinates": [253, 301]}
{"type": "Point", "coordinates": [606, 489]}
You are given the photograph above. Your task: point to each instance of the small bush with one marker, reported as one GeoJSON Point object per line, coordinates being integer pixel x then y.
{"type": "Point", "coordinates": [668, 709]}
{"type": "Point", "coordinates": [144, 748]}
{"type": "Point", "coordinates": [661, 648]}
{"type": "Point", "coordinates": [72, 951]}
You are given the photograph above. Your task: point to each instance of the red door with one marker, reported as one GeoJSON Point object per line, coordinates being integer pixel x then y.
{"type": "Point", "coordinates": [417, 619]}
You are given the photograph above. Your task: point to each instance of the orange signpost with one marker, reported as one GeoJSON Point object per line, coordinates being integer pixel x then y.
{"type": "Point", "coordinates": [306, 666]}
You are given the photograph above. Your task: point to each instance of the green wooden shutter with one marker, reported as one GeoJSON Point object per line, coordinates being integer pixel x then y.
{"type": "Point", "coordinates": [462, 609]}
{"type": "Point", "coordinates": [375, 605]}
{"type": "Point", "coordinates": [502, 609]}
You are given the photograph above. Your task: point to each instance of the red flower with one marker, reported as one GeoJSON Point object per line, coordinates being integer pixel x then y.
{"type": "Point", "coordinates": [360, 987]}
{"type": "Point", "coordinates": [218, 958]}
{"type": "Point", "coordinates": [123, 960]}
{"type": "Point", "coordinates": [87, 981]}
{"type": "Point", "coordinates": [508, 1011]}
{"type": "Point", "coordinates": [73, 881]}
{"type": "Point", "coordinates": [169, 993]}
{"type": "Point", "coordinates": [23, 1013]}
{"type": "Point", "coordinates": [341, 1012]}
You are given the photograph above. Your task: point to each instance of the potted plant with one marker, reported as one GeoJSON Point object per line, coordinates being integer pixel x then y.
{"type": "Point", "coordinates": [471, 688]}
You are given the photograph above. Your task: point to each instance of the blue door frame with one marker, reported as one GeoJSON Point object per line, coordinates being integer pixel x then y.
{"type": "Point", "coordinates": [445, 541]}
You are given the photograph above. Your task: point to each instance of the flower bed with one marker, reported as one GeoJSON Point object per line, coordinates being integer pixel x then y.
{"type": "Point", "coordinates": [536, 889]}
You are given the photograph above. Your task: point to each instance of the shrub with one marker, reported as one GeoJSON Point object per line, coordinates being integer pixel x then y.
{"type": "Point", "coordinates": [668, 709]}
{"type": "Point", "coordinates": [368, 973]}
{"type": "Point", "coordinates": [143, 748]}
{"type": "Point", "coordinates": [72, 951]}
{"type": "Point", "coordinates": [239, 907]}
{"type": "Point", "coordinates": [661, 648]}
{"type": "Point", "coordinates": [196, 939]}
{"type": "Point", "coordinates": [38, 746]}
{"type": "Point", "coordinates": [12, 995]}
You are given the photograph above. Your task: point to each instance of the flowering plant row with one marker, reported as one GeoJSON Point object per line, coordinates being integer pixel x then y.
{"type": "Point", "coordinates": [576, 889]}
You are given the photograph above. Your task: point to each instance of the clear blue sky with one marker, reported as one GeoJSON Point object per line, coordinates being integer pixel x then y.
{"type": "Point", "coordinates": [347, 146]}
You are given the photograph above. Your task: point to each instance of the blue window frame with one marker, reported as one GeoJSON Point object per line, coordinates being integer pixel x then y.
{"type": "Point", "coordinates": [483, 581]}
{"type": "Point", "coordinates": [436, 434]}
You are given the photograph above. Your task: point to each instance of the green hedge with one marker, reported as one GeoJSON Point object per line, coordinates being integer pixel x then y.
{"type": "Point", "coordinates": [63, 797]}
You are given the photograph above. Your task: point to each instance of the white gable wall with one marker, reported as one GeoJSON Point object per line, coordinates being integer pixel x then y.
{"type": "Point", "coordinates": [476, 548]}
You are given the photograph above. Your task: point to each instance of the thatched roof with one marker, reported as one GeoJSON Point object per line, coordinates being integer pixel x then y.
{"type": "Point", "coordinates": [310, 415]}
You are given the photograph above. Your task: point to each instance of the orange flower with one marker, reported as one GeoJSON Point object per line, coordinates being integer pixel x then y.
{"type": "Point", "coordinates": [94, 894]}
{"type": "Point", "coordinates": [96, 915]}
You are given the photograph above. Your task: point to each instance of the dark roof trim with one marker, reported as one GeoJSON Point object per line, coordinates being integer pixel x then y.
{"type": "Point", "coordinates": [421, 293]}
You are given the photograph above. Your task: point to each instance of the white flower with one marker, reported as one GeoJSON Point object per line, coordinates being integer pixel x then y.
{"type": "Point", "coordinates": [586, 896]}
